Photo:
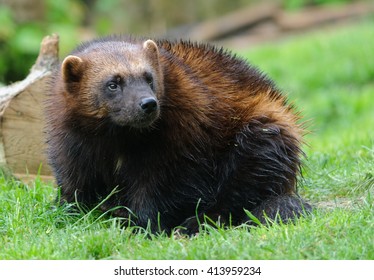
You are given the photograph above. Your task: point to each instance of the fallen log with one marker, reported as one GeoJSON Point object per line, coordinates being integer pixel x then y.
{"type": "Point", "coordinates": [22, 144]}
{"type": "Point", "coordinates": [267, 22]}
{"type": "Point", "coordinates": [316, 16]}
{"type": "Point", "coordinates": [233, 22]}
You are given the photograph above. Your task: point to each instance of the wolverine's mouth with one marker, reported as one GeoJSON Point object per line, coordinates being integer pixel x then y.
{"type": "Point", "coordinates": [123, 117]}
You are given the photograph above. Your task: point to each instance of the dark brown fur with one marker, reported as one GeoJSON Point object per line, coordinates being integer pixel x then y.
{"type": "Point", "coordinates": [221, 140]}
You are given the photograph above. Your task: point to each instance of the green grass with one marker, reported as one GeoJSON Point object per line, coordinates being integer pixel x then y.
{"type": "Point", "coordinates": [330, 77]}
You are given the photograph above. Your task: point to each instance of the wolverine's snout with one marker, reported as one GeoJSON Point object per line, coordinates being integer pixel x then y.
{"type": "Point", "coordinates": [148, 105]}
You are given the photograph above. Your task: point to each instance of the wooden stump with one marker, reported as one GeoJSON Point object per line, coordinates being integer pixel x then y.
{"type": "Point", "coordinates": [22, 144]}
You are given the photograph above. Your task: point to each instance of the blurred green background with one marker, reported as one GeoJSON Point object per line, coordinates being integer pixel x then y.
{"type": "Point", "coordinates": [23, 23]}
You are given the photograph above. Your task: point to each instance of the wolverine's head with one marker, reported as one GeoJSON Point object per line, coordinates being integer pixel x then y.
{"type": "Point", "coordinates": [115, 80]}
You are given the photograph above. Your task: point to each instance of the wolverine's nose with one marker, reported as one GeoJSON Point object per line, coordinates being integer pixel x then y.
{"type": "Point", "coordinates": [148, 105]}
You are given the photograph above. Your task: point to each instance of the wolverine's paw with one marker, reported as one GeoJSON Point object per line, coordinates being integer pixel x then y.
{"type": "Point", "coordinates": [284, 208]}
{"type": "Point", "coordinates": [194, 225]}
{"type": "Point", "coordinates": [190, 226]}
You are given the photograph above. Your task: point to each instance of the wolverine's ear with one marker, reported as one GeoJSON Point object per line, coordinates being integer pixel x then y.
{"type": "Point", "coordinates": [72, 69]}
{"type": "Point", "coordinates": [151, 50]}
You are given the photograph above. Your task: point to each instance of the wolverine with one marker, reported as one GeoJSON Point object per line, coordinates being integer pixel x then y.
{"type": "Point", "coordinates": [172, 134]}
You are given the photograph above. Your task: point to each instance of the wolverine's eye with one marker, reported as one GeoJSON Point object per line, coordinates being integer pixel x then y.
{"type": "Point", "coordinates": [149, 79]}
{"type": "Point", "coordinates": [112, 86]}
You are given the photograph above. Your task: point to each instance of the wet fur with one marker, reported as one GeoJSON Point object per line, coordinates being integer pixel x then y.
{"type": "Point", "coordinates": [225, 140]}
